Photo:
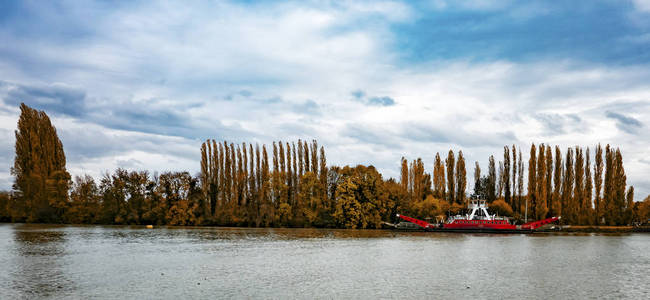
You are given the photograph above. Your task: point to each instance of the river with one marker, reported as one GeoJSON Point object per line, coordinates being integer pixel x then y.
{"type": "Point", "coordinates": [122, 262]}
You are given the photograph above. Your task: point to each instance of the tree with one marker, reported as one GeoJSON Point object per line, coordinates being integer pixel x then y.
{"type": "Point", "coordinates": [439, 184]}
{"type": "Point", "coordinates": [540, 208]}
{"type": "Point", "coordinates": [404, 178]}
{"type": "Point", "coordinates": [532, 177]}
{"type": "Point", "coordinates": [578, 192]}
{"type": "Point", "coordinates": [609, 189]}
{"type": "Point", "coordinates": [514, 177]}
{"type": "Point", "coordinates": [598, 183]}
{"type": "Point", "coordinates": [84, 197]}
{"type": "Point", "coordinates": [477, 178]}
{"type": "Point", "coordinates": [520, 182]}
{"type": "Point", "coordinates": [587, 210]}
{"type": "Point", "coordinates": [41, 179]}
{"type": "Point", "coordinates": [500, 182]}
{"type": "Point", "coordinates": [492, 178]}
{"type": "Point", "coordinates": [568, 210]}
{"type": "Point", "coordinates": [461, 179]}
{"type": "Point", "coordinates": [629, 209]}
{"type": "Point", "coordinates": [506, 175]}
{"type": "Point", "coordinates": [556, 203]}
{"type": "Point", "coordinates": [450, 161]}
{"type": "Point", "coordinates": [501, 208]}
{"type": "Point", "coordinates": [323, 176]}
{"type": "Point", "coordinates": [549, 178]}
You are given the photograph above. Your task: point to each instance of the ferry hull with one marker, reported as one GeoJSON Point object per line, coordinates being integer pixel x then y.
{"type": "Point", "coordinates": [479, 230]}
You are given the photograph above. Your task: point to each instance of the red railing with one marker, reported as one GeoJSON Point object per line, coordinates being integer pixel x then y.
{"type": "Point", "coordinates": [540, 223]}
{"type": "Point", "coordinates": [422, 224]}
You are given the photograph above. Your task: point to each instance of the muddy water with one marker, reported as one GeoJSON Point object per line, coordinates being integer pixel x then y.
{"type": "Point", "coordinates": [40, 261]}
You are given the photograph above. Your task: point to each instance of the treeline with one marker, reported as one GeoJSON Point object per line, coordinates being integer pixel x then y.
{"type": "Point", "coordinates": [557, 186]}
{"type": "Point", "coordinates": [293, 186]}
{"type": "Point", "coordinates": [289, 184]}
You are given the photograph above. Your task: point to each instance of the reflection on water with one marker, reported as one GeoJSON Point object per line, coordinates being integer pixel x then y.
{"type": "Point", "coordinates": [38, 269]}
{"type": "Point", "coordinates": [134, 262]}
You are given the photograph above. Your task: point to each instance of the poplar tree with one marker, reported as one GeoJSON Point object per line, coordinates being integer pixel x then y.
{"type": "Point", "coordinates": [314, 157]}
{"type": "Point", "coordinates": [404, 178]}
{"type": "Point", "coordinates": [549, 178]}
{"type": "Point", "coordinates": [439, 184]}
{"type": "Point", "coordinates": [477, 178]}
{"type": "Point", "coordinates": [541, 193]}
{"type": "Point", "coordinates": [295, 173]}
{"type": "Point", "coordinates": [461, 179]}
{"type": "Point", "coordinates": [619, 193]}
{"type": "Point", "coordinates": [491, 182]}
{"type": "Point", "coordinates": [556, 207]}
{"type": "Point", "coordinates": [532, 177]}
{"type": "Point", "coordinates": [598, 183]}
{"type": "Point", "coordinates": [289, 176]}
{"type": "Point", "coordinates": [568, 210]}
{"type": "Point", "coordinates": [514, 177]}
{"type": "Point", "coordinates": [608, 190]}
{"type": "Point", "coordinates": [500, 180]}
{"type": "Point", "coordinates": [450, 161]}
{"type": "Point", "coordinates": [323, 176]}
{"type": "Point", "coordinates": [506, 175]}
{"type": "Point", "coordinates": [265, 195]}
{"type": "Point", "coordinates": [587, 210]}
{"type": "Point", "coordinates": [578, 194]}
{"type": "Point", "coordinates": [306, 153]}
{"type": "Point", "coordinates": [41, 179]}
{"type": "Point", "coordinates": [520, 181]}
{"type": "Point", "coordinates": [629, 208]}
{"type": "Point", "coordinates": [300, 157]}
{"type": "Point", "coordinates": [228, 174]}
{"type": "Point", "coordinates": [252, 186]}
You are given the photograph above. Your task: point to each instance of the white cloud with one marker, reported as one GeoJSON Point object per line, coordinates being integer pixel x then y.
{"type": "Point", "coordinates": [159, 78]}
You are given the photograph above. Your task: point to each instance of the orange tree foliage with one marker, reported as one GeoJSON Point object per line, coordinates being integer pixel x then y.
{"type": "Point", "coordinates": [240, 185]}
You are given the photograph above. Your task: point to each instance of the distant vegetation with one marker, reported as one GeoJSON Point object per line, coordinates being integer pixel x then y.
{"type": "Point", "coordinates": [292, 186]}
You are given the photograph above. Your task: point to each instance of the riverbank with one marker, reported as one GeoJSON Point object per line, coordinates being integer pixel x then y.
{"type": "Point", "coordinates": [599, 229]}
{"type": "Point", "coordinates": [564, 228]}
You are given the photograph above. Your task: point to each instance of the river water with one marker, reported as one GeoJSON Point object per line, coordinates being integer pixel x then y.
{"type": "Point", "coordinates": [118, 262]}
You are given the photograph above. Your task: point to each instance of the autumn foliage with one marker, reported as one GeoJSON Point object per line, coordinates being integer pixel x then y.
{"type": "Point", "coordinates": [289, 184]}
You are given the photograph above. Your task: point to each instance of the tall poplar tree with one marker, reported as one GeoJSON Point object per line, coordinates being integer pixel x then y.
{"type": "Point", "coordinates": [477, 178]}
{"type": "Point", "coordinates": [598, 184]}
{"type": "Point", "coordinates": [608, 189]}
{"type": "Point", "coordinates": [492, 178]}
{"type": "Point", "coordinates": [578, 187]}
{"type": "Point", "coordinates": [439, 184]}
{"type": "Point", "coordinates": [506, 175]}
{"type": "Point", "coordinates": [541, 192]}
{"type": "Point", "coordinates": [41, 179]}
{"type": "Point", "coordinates": [549, 178]}
{"type": "Point", "coordinates": [520, 181]}
{"type": "Point", "coordinates": [461, 179]}
{"type": "Point", "coordinates": [532, 178]}
{"type": "Point", "coordinates": [556, 207]}
{"type": "Point", "coordinates": [568, 210]}
{"type": "Point", "coordinates": [587, 211]}
{"type": "Point", "coordinates": [450, 161]}
{"type": "Point", "coordinates": [513, 184]}
{"type": "Point", "coordinates": [404, 174]}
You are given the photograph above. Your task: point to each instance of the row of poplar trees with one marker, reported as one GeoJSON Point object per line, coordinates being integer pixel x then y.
{"type": "Point", "coordinates": [293, 186]}
{"type": "Point", "coordinates": [557, 185]}
{"type": "Point", "coordinates": [290, 184]}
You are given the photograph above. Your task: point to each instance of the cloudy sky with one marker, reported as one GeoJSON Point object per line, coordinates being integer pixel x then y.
{"type": "Point", "coordinates": [139, 85]}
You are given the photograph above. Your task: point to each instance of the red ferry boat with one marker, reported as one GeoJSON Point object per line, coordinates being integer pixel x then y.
{"type": "Point", "coordinates": [479, 220]}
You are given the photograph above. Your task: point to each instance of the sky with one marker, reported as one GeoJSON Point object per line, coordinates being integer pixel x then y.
{"type": "Point", "coordinates": [140, 84]}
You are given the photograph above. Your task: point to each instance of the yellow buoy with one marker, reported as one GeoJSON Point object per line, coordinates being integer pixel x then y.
{"type": "Point", "coordinates": [149, 226]}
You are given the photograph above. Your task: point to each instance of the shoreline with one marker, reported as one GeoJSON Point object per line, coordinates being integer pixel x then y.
{"type": "Point", "coordinates": [563, 229]}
